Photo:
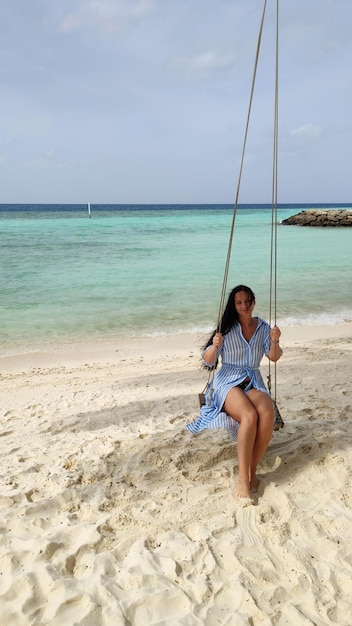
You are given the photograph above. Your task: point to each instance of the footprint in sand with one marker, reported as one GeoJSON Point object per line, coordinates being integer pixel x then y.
{"type": "Point", "coordinates": [177, 418]}
{"type": "Point", "coordinates": [6, 432]}
{"type": "Point", "coordinates": [250, 534]}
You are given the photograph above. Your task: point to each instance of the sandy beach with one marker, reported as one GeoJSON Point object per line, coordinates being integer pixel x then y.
{"type": "Point", "coordinates": [112, 513]}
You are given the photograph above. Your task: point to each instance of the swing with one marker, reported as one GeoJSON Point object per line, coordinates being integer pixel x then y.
{"type": "Point", "coordinates": [206, 395]}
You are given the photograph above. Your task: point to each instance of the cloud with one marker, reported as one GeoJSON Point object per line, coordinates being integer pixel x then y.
{"type": "Point", "coordinates": [107, 16]}
{"type": "Point", "coordinates": [306, 131]}
{"type": "Point", "coordinates": [204, 63]}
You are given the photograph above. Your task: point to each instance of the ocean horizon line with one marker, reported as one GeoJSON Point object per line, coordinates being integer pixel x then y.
{"type": "Point", "coordinates": [169, 205]}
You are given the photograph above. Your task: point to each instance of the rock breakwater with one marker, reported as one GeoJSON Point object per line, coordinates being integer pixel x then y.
{"type": "Point", "coordinates": [321, 217]}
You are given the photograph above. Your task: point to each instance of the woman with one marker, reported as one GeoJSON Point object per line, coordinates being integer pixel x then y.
{"type": "Point", "coordinates": [240, 401]}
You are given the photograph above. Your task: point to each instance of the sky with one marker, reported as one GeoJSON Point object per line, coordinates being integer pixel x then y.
{"type": "Point", "coordinates": [146, 101]}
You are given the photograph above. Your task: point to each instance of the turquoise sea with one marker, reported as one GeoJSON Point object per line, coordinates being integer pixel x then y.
{"type": "Point", "coordinates": [138, 270]}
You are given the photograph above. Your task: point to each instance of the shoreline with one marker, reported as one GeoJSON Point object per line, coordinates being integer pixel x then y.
{"type": "Point", "coordinates": [116, 350]}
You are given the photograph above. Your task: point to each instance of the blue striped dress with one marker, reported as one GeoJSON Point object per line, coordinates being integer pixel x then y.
{"type": "Point", "coordinates": [239, 359]}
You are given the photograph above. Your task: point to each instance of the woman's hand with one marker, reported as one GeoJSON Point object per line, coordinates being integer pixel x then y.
{"type": "Point", "coordinates": [217, 340]}
{"type": "Point", "coordinates": [210, 353]}
{"type": "Point", "coordinates": [275, 334]}
{"type": "Point", "coordinates": [275, 350]}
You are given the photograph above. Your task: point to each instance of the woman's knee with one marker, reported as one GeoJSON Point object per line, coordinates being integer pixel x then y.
{"type": "Point", "coordinates": [266, 420]}
{"type": "Point", "coordinates": [263, 404]}
{"type": "Point", "coordinates": [251, 415]}
{"type": "Point", "coordinates": [240, 407]}
{"type": "Point", "coordinates": [248, 416]}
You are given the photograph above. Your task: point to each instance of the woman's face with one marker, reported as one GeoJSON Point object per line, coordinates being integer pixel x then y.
{"type": "Point", "coordinates": [243, 302]}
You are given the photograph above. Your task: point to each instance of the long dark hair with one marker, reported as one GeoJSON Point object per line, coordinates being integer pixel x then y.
{"type": "Point", "coordinates": [230, 317]}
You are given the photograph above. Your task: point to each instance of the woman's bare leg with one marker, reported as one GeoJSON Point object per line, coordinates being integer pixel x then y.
{"type": "Point", "coordinates": [241, 408]}
{"type": "Point", "coordinates": [265, 410]}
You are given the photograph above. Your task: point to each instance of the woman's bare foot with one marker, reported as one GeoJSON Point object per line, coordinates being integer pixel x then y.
{"type": "Point", "coordinates": [243, 489]}
{"type": "Point", "coordinates": [254, 484]}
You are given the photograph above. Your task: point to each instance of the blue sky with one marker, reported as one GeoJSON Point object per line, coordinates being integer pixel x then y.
{"type": "Point", "coordinates": [145, 101]}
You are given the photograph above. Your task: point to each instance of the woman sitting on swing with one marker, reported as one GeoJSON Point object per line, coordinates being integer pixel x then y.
{"type": "Point", "coordinates": [240, 401]}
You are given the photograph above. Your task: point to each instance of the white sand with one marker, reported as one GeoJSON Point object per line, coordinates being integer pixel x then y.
{"type": "Point", "coordinates": [112, 513]}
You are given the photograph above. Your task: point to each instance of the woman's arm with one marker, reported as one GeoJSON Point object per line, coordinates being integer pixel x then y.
{"type": "Point", "coordinates": [209, 355]}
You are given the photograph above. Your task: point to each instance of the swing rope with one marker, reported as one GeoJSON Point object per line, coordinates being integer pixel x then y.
{"type": "Point", "coordinates": [273, 247]}
{"type": "Point", "coordinates": [278, 423]}
{"type": "Point", "coordinates": [227, 264]}
{"type": "Point", "coordinates": [228, 258]}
